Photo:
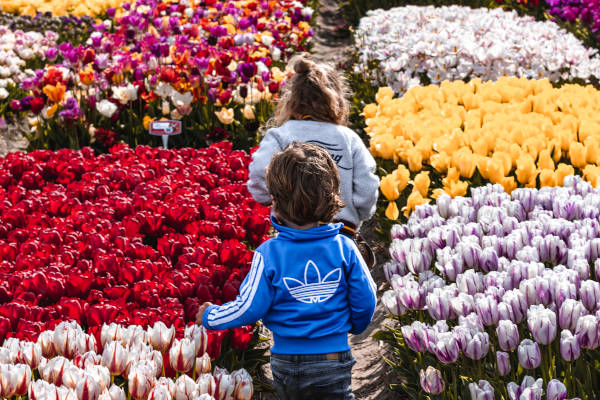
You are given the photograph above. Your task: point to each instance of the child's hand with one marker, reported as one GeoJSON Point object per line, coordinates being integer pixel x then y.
{"type": "Point", "coordinates": [200, 312]}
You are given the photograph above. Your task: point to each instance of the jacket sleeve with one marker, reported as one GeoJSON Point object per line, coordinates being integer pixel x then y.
{"type": "Point", "coordinates": [362, 292]}
{"type": "Point", "coordinates": [251, 304]}
{"type": "Point", "coordinates": [257, 185]}
{"type": "Point", "coordinates": [365, 183]}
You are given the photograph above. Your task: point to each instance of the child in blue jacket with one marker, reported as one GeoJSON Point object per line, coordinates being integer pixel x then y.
{"type": "Point", "coordinates": [309, 285]}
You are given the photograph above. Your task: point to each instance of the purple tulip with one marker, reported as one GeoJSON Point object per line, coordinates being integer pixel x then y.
{"type": "Point", "coordinates": [589, 293]}
{"type": "Point", "coordinates": [438, 304]}
{"type": "Point", "coordinates": [529, 389]}
{"type": "Point", "coordinates": [481, 391]}
{"type": "Point", "coordinates": [542, 324]}
{"type": "Point", "coordinates": [453, 268]}
{"type": "Point", "coordinates": [569, 313]}
{"type": "Point", "coordinates": [556, 390]}
{"type": "Point", "coordinates": [487, 309]}
{"type": "Point", "coordinates": [529, 354]}
{"type": "Point", "coordinates": [569, 347]}
{"type": "Point", "coordinates": [503, 363]}
{"type": "Point", "coordinates": [508, 335]}
{"type": "Point", "coordinates": [431, 381]}
{"type": "Point", "coordinates": [414, 336]}
{"type": "Point", "coordinates": [587, 332]}
{"type": "Point", "coordinates": [446, 348]}
{"type": "Point", "coordinates": [478, 346]}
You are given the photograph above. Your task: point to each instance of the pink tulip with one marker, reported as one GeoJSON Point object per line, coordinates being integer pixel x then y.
{"type": "Point", "coordinates": [88, 388]}
{"type": "Point", "coordinates": [202, 365]}
{"type": "Point", "coordinates": [182, 355]}
{"type": "Point", "coordinates": [140, 383]}
{"type": "Point", "coordinates": [185, 388]}
{"type": "Point", "coordinates": [161, 337]}
{"type": "Point", "coordinates": [115, 358]}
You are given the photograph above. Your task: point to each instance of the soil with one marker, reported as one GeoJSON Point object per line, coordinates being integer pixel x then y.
{"type": "Point", "coordinates": [12, 139]}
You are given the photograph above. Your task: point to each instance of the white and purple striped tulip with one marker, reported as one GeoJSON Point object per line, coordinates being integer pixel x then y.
{"type": "Point", "coordinates": [529, 354]}
{"type": "Point", "coordinates": [478, 346]}
{"type": "Point", "coordinates": [569, 313]}
{"type": "Point", "coordinates": [508, 335]}
{"type": "Point", "coordinates": [569, 346]}
{"type": "Point", "coordinates": [503, 363]}
{"type": "Point", "coordinates": [556, 390]}
{"type": "Point", "coordinates": [481, 391]}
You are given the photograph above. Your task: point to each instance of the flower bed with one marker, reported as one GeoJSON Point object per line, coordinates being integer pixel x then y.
{"type": "Point", "coordinates": [492, 288]}
{"type": "Point", "coordinates": [66, 363]}
{"type": "Point", "coordinates": [415, 45]}
{"type": "Point", "coordinates": [131, 237]}
{"type": "Point", "coordinates": [75, 8]}
{"type": "Point", "coordinates": [514, 132]}
{"type": "Point", "coordinates": [71, 29]}
{"type": "Point", "coordinates": [214, 65]}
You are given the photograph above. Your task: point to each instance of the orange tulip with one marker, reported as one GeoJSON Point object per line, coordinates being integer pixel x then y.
{"type": "Point", "coordinates": [55, 93]}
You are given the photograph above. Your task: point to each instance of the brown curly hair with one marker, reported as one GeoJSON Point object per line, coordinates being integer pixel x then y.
{"type": "Point", "coordinates": [304, 182]}
{"type": "Point", "coordinates": [316, 91]}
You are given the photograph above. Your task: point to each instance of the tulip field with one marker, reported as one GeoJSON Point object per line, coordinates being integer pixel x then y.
{"type": "Point", "coordinates": [484, 120]}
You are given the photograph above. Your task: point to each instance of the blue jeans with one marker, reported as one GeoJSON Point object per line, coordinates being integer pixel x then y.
{"type": "Point", "coordinates": [312, 376]}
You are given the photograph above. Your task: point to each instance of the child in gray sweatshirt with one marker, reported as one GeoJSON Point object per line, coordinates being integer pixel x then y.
{"type": "Point", "coordinates": [313, 109]}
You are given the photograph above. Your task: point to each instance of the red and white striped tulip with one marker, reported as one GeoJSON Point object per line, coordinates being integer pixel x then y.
{"type": "Point", "coordinates": [115, 358]}
{"type": "Point", "coordinates": [88, 388]}
{"type": "Point", "coordinates": [65, 340]}
{"type": "Point", "coordinates": [203, 365]}
{"type": "Point", "coordinates": [244, 389]}
{"type": "Point", "coordinates": [114, 393]}
{"type": "Point", "coordinates": [140, 383]}
{"type": "Point", "coordinates": [101, 374]}
{"type": "Point", "coordinates": [87, 359]}
{"type": "Point", "coordinates": [110, 333]}
{"type": "Point", "coordinates": [185, 387]}
{"type": "Point", "coordinates": [22, 376]}
{"type": "Point", "coordinates": [206, 384]}
{"type": "Point", "coordinates": [160, 392]}
{"type": "Point", "coordinates": [161, 337]}
{"type": "Point", "coordinates": [225, 384]}
{"type": "Point", "coordinates": [199, 336]}
{"type": "Point", "coordinates": [182, 355]}
{"type": "Point", "coordinates": [8, 381]}
{"type": "Point", "coordinates": [30, 354]}
{"type": "Point", "coordinates": [46, 342]}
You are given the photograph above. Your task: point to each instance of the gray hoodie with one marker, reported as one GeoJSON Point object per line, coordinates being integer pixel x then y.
{"type": "Point", "coordinates": [358, 183]}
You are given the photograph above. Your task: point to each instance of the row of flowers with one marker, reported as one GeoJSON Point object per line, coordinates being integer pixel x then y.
{"type": "Point", "coordinates": [90, 8]}
{"type": "Point", "coordinates": [513, 132]}
{"type": "Point", "coordinates": [211, 64]}
{"type": "Point", "coordinates": [128, 362]}
{"type": "Point", "coordinates": [131, 237]}
{"type": "Point", "coordinates": [500, 286]}
{"type": "Point", "coordinates": [413, 45]}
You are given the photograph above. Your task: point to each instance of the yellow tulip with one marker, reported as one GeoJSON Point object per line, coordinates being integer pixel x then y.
{"type": "Point", "coordinates": [466, 165]}
{"type": "Point", "coordinates": [509, 184]}
{"type": "Point", "coordinates": [440, 162]}
{"type": "Point", "coordinates": [577, 154]}
{"type": "Point", "coordinates": [384, 93]}
{"type": "Point", "coordinates": [451, 176]}
{"type": "Point", "coordinates": [592, 150]}
{"type": "Point", "coordinates": [415, 160]}
{"type": "Point", "coordinates": [370, 111]}
{"type": "Point", "coordinates": [526, 170]}
{"type": "Point", "coordinates": [456, 188]}
{"type": "Point", "coordinates": [548, 178]}
{"type": "Point", "coordinates": [422, 182]}
{"type": "Point", "coordinates": [248, 112]}
{"type": "Point", "coordinates": [415, 199]}
{"type": "Point", "coordinates": [402, 176]}
{"type": "Point", "coordinates": [562, 171]}
{"type": "Point", "coordinates": [55, 93]}
{"type": "Point", "coordinates": [225, 115]}
{"type": "Point", "coordinates": [494, 171]}
{"type": "Point", "coordinates": [389, 187]}
{"type": "Point", "coordinates": [392, 212]}
{"type": "Point", "coordinates": [592, 174]}
{"type": "Point", "coordinates": [147, 120]}
{"type": "Point", "coordinates": [545, 161]}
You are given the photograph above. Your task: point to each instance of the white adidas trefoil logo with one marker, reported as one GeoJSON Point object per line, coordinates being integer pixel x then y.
{"type": "Point", "coordinates": [314, 289]}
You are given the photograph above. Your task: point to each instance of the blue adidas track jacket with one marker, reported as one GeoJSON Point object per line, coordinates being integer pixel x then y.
{"type": "Point", "coordinates": [310, 287]}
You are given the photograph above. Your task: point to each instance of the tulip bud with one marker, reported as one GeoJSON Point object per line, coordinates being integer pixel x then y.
{"type": "Point", "coordinates": [431, 381]}
{"type": "Point", "coordinates": [569, 346]}
{"type": "Point", "coordinates": [225, 384]}
{"type": "Point", "coordinates": [518, 305]}
{"type": "Point", "coordinates": [203, 365]}
{"type": "Point", "coordinates": [114, 393]}
{"type": "Point", "coordinates": [40, 390]}
{"type": "Point", "coordinates": [30, 354]}
{"type": "Point", "coordinates": [46, 342]}
{"type": "Point", "coordinates": [569, 313]}
{"type": "Point", "coordinates": [87, 388]}
{"type": "Point", "coordinates": [71, 375]}
{"type": "Point", "coordinates": [160, 392]}
{"type": "Point", "coordinates": [438, 304]}
{"type": "Point", "coordinates": [8, 381]}
{"type": "Point", "coordinates": [139, 383]}
{"type": "Point", "coordinates": [206, 384]}
{"type": "Point", "coordinates": [478, 346]}
{"type": "Point", "coordinates": [22, 376]}
{"type": "Point", "coordinates": [503, 363]}
{"type": "Point", "coordinates": [508, 335]}
{"type": "Point", "coordinates": [110, 333]}
{"type": "Point", "coordinates": [244, 389]}
{"type": "Point", "coordinates": [487, 309]}
{"type": "Point", "coordinates": [115, 358]}
{"type": "Point", "coordinates": [529, 354]}
{"type": "Point", "coordinates": [481, 391]}
{"type": "Point", "coordinates": [589, 293]}
{"type": "Point", "coordinates": [182, 355]}
{"type": "Point", "coordinates": [184, 388]}
{"type": "Point", "coordinates": [542, 324]}
{"type": "Point", "coordinates": [198, 335]}
{"type": "Point", "coordinates": [446, 348]}
{"type": "Point", "coordinates": [556, 390]}
{"type": "Point", "coordinates": [414, 336]}
{"type": "Point", "coordinates": [101, 374]}
{"type": "Point", "coordinates": [65, 340]}
{"type": "Point", "coordinates": [87, 359]}
{"type": "Point", "coordinates": [462, 304]}
{"type": "Point", "coordinates": [587, 332]}
{"type": "Point", "coordinates": [161, 337]}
